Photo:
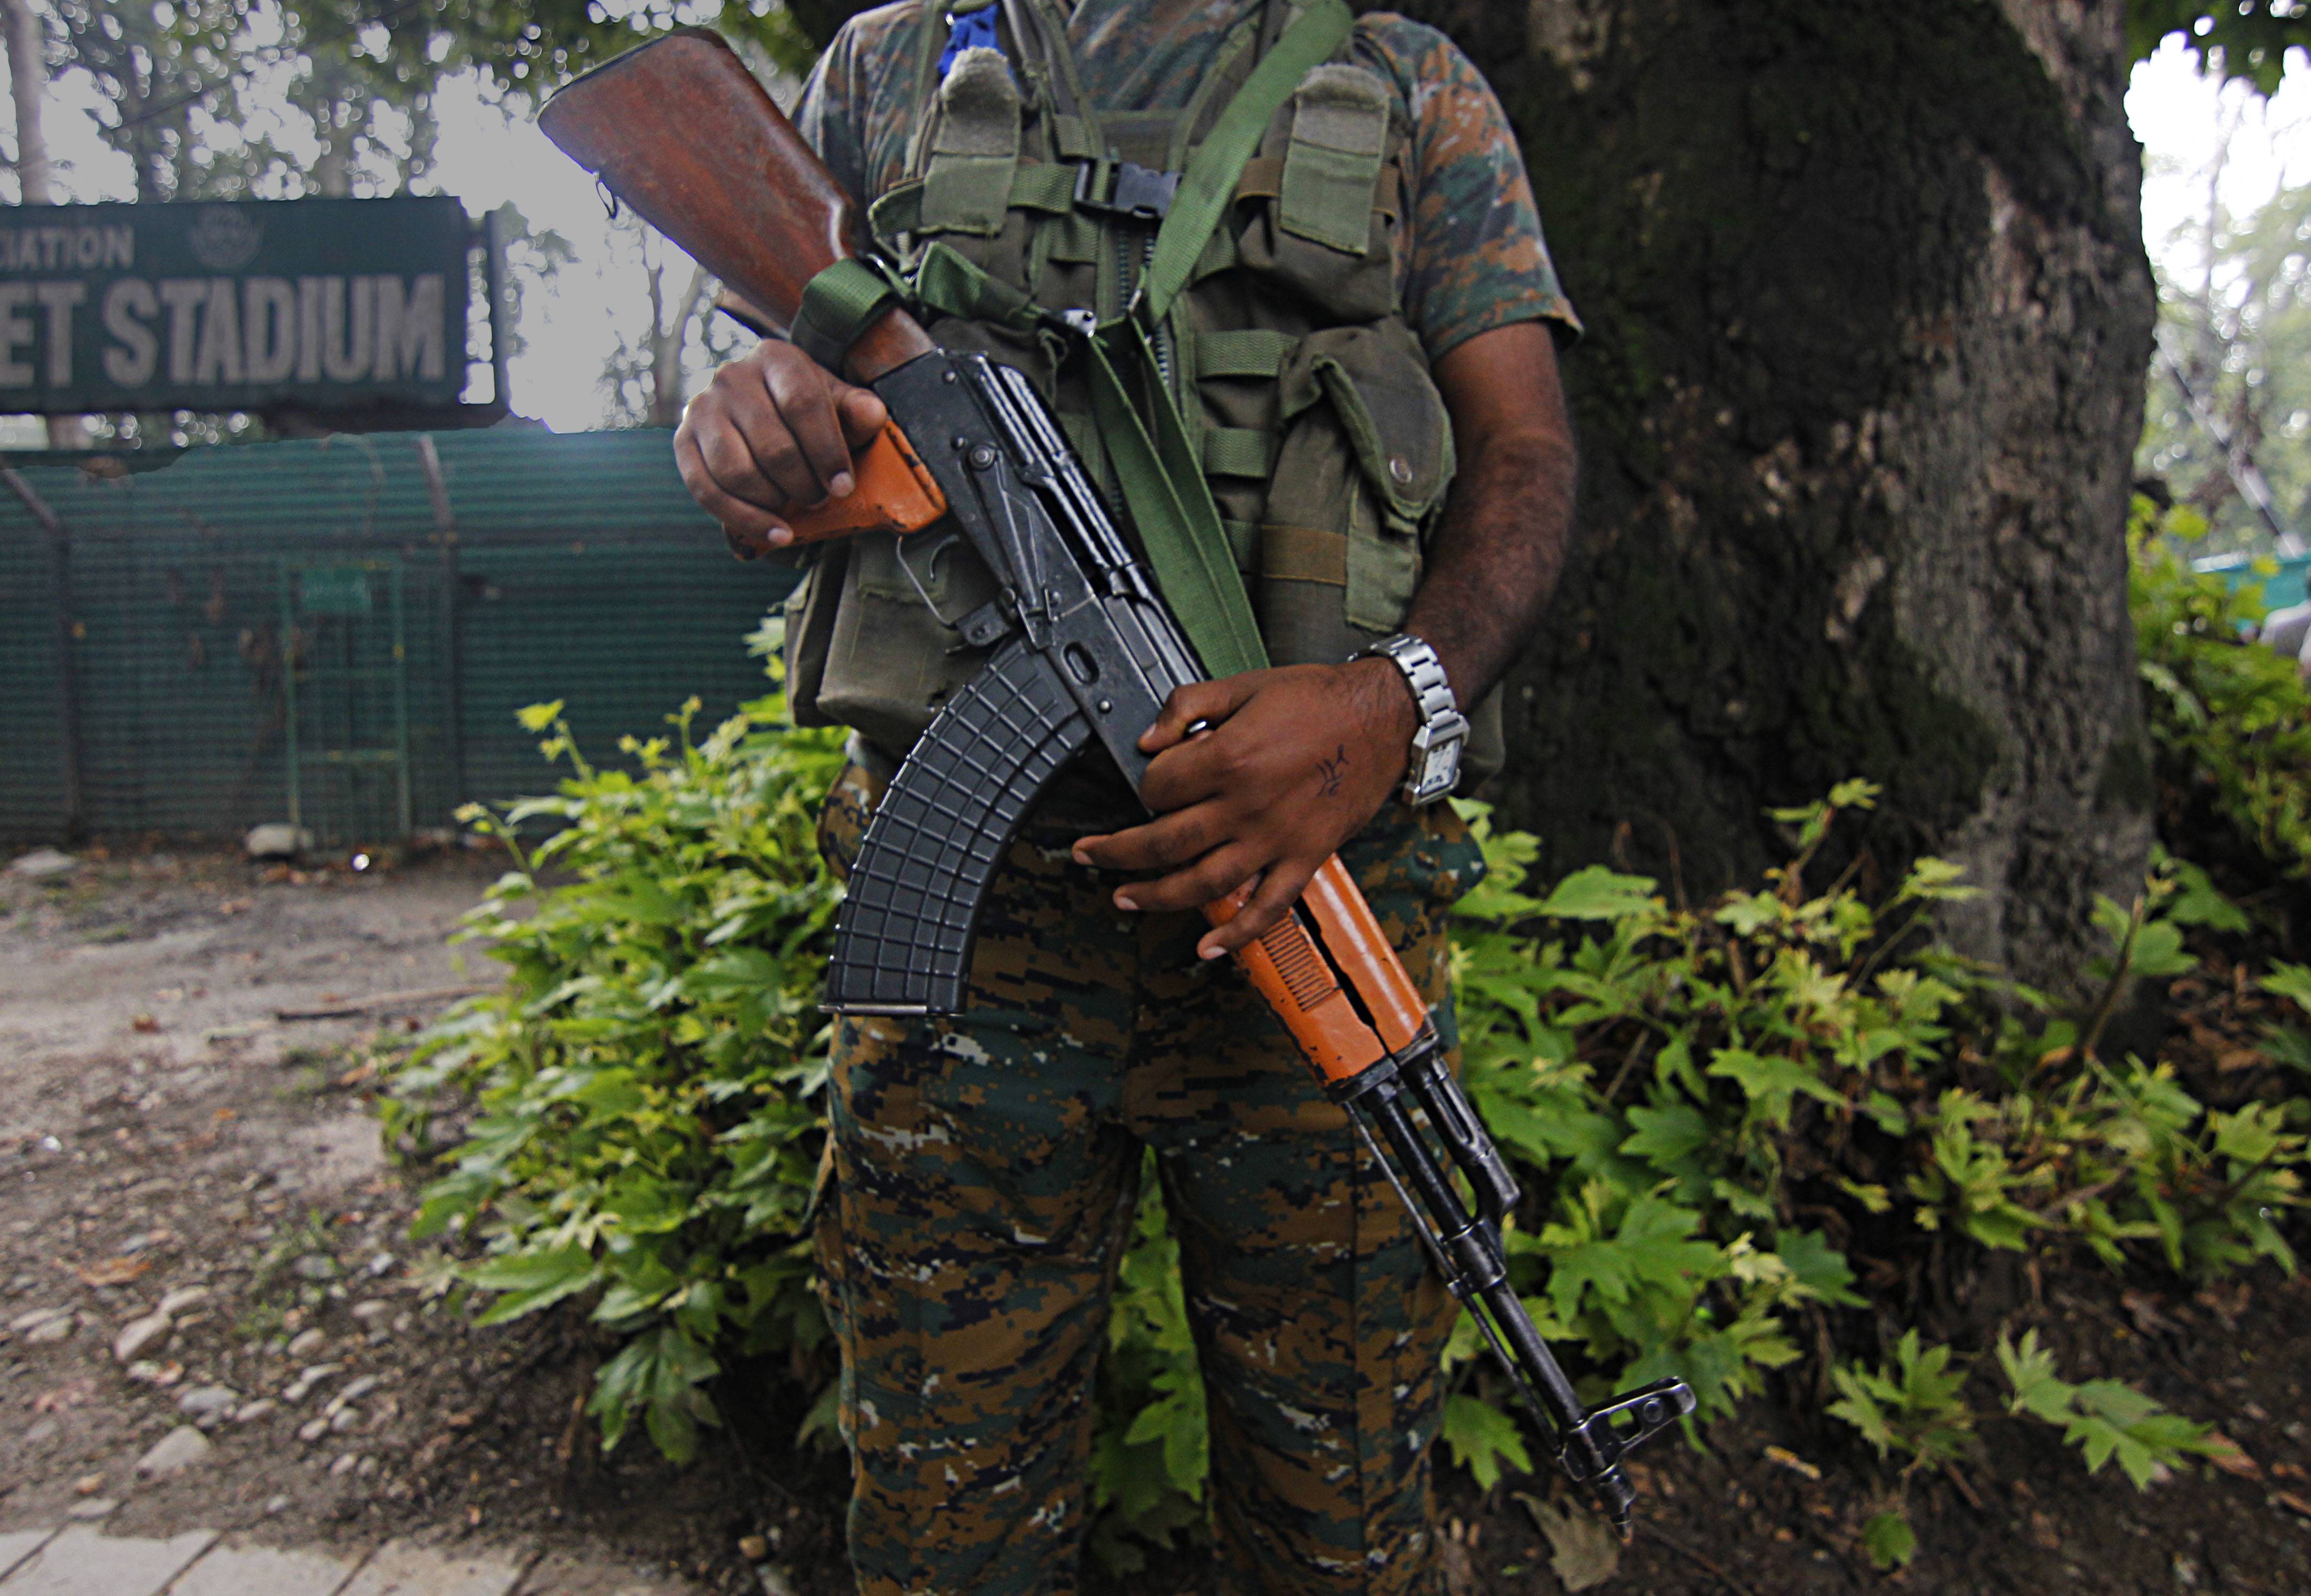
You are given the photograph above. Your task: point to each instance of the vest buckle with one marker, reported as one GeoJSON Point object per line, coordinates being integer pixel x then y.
{"type": "Point", "coordinates": [1139, 193]}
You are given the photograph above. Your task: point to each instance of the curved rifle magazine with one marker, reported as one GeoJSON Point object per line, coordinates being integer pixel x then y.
{"type": "Point", "coordinates": [902, 940]}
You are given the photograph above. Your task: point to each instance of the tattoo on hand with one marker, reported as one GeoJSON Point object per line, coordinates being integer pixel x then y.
{"type": "Point", "coordinates": [1334, 770]}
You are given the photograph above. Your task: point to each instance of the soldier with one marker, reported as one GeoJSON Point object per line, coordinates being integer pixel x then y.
{"type": "Point", "coordinates": [1374, 305]}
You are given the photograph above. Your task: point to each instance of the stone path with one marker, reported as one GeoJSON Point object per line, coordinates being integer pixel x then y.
{"type": "Point", "coordinates": [77, 1560]}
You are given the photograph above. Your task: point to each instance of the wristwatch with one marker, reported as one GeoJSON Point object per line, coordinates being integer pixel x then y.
{"type": "Point", "coordinates": [1435, 763]}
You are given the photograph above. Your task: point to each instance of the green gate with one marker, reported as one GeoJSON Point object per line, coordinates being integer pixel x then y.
{"type": "Point", "coordinates": [345, 698]}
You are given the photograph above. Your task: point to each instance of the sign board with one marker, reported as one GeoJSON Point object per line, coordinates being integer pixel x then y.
{"type": "Point", "coordinates": [318, 305]}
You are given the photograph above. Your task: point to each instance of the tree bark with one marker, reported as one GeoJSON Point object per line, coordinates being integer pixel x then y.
{"type": "Point", "coordinates": [1868, 315]}
{"type": "Point", "coordinates": [28, 87]}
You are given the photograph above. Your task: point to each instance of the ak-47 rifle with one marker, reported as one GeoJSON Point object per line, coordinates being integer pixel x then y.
{"type": "Point", "coordinates": [1084, 649]}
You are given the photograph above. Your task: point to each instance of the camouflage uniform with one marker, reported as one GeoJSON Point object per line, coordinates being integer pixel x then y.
{"type": "Point", "coordinates": [986, 1166]}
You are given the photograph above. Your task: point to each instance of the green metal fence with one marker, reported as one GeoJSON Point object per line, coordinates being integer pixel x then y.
{"type": "Point", "coordinates": [341, 630]}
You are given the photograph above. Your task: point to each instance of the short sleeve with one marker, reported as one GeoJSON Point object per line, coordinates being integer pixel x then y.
{"type": "Point", "coordinates": [827, 115]}
{"type": "Point", "coordinates": [1478, 257]}
{"type": "Point", "coordinates": [855, 108]}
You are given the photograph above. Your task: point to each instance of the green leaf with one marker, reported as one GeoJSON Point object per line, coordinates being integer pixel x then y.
{"type": "Point", "coordinates": [1889, 1540]}
{"type": "Point", "coordinates": [1819, 1269]}
{"type": "Point", "coordinates": [1597, 893]}
{"type": "Point", "coordinates": [532, 1281]}
{"type": "Point", "coordinates": [1482, 1438]}
{"type": "Point", "coordinates": [1667, 1136]}
{"type": "Point", "coordinates": [1771, 1084]}
{"type": "Point", "coordinates": [537, 716]}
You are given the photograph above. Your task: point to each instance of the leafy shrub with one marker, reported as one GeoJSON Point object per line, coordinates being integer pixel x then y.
{"type": "Point", "coordinates": [645, 1126]}
{"type": "Point", "coordinates": [2232, 718]}
{"type": "Point", "coordinates": [1716, 1109]}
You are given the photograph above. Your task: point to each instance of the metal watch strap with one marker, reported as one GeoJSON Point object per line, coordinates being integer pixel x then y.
{"type": "Point", "coordinates": [1441, 720]}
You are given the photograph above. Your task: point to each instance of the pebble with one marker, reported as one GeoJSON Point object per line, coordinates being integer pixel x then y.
{"type": "Point", "coordinates": [344, 1419]}
{"type": "Point", "coordinates": [182, 1298]}
{"type": "Point", "coordinates": [307, 1341]}
{"type": "Point", "coordinates": [87, 1485]}
{"type": "Point", "coordinates": [275, 1504]}
{"type": "Point", "coordinates": [50, 1330]}
{"type": "Point", "coordinates": [354, 1390]}
{"type": "Point", "coordinates": [344, 1466]}
{"type": "Point", "coordinates": [179, 1448]}
{"type": "Point", "coordinates": [95, 1507]}
{"type": "Point", "coordinates": [207, 1399]}
{"type": "Point", "coordinates": [382, 1265]}
{"type": "Point", "coordinates": [139, 1335]}
{"type": "Point", "coordinates": [315, 1266]}
{"type": "Point", "coordinates": [37, 1318]}
{"type": "Point", "coordinates": [313, 1431]}
{"type": "Point", "coordinates": [374, 1309]}
{"type": "Point", "coordinates": [299, 1389]}
{"type": "Point", "coordinates": [753, 1548]}
{"type": "Point", "coordinates": [46, 1430]}
{"type": "Point", "coordinates": [42, 863]}
{"type": "Point", "coordinates": [263, 1407]}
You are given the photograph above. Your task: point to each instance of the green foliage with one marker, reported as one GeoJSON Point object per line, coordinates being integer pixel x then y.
{"type": "Point", "coordinates": [1914, 1404]}
{"type": "Point", "coordinates": [645, 1090]}
{"type": "Point", "coordinates": [1710, 1104]}
{"type": "Point", "coordinates": [2105, 1418]}
{"type": "Point", "coordinates": [2232, 718]}
{"type": "Point", "coordinates": [2249, 39]}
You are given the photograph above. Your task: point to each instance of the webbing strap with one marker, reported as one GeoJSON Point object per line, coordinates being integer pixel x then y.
{"type": "Point", "coordinates": [1173, 510]}
{"type": "Point", "coordinates": [1246, 351]}
{"type": "Point", "coordinates": [1208, 187]}
{"type": "Point", "coordinates": [1035, 186]}
{"type": "Point", "coordinates": [837, 306]}
{"type": "Point", "coordinates": [1238, 451]}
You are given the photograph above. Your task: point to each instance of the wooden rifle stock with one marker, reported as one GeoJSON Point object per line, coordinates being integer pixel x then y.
{"type": "Point", "coordinates": [680, 130]}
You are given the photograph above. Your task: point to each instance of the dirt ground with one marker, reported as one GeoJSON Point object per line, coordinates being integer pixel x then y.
{"type": "Point", "coordinates": [165, 1133]}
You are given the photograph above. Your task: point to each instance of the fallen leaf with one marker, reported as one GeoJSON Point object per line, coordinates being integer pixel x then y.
{"type": "Point", "coordinates": [2240, 1058]}
{"type": "Point", "coordinates": [236, 906]}
{"type": "Point", "coordinates": [2293, 1503]}
{"type": "Point", "coordinates": [1789, 1460]}
{"type": "Point", "coordinates": [2143, 1309]}
{"type": "Point", "coordinates": [113, 1271]}
{"type": "Point", "coordinates": [144, 1023]}
{"type": "Point", "coordinates": [71, 1393]}
{"type": "Point", "coordinates": [1583, 1551]}
{"type": "Point", "coordinates": [2042, 1530]}
{"type": "Point", "coordinates": [2231, 1458]}
{"type": "Point", "coordinates": [2284, 1470]}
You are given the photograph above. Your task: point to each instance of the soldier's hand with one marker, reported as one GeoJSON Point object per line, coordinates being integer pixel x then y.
{"type": "Point", "coordinates": [773, 433]}
{"type": "Point", "coordinates": [1296, 761]}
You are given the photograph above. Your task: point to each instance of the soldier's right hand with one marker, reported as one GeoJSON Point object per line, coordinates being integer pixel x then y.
{"type": "Point", "coordinates": [773, 433]}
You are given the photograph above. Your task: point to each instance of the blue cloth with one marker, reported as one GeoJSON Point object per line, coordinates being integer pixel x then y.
{"type": "Point", "coordinates": [971, 31]}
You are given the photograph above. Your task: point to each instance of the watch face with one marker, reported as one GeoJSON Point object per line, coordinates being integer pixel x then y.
{"type": "Point", "coordinates": [1439, 767]}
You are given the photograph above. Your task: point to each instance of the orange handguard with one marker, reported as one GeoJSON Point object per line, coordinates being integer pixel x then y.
{"type": "Point", "coordinates": [894, 493]}
{"type": "Point", "coordinates": [1301, 975]}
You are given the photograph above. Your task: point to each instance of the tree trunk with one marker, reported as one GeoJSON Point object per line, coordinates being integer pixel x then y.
{"type": "Point", "coordinates": [1868, 315]}
{"type": "Point", "coordinates": [28, 87]}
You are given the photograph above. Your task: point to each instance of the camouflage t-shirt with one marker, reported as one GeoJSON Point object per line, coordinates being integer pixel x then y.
{"type": "Point", "coordinates": [1477, 260]}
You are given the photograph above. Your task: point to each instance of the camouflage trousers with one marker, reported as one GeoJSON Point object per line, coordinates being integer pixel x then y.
{"type": "Point", "coordinates": [986, 1170]}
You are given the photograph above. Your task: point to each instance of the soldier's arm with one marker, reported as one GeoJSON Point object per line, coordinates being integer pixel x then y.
{"type": "Point", "coordinates": [1300, 759]}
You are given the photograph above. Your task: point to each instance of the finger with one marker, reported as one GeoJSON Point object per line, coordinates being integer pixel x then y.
{"type": "Point", "coordinates": [1198, 701]}
{"type": "Point", "coordinates": [1214, 875]}
{"type": "Point", "coordinates": [862, 412]}
{"type": "Point", "coordinates": [805, 395]}
{"type": "Point", "coordinates": [1212, 766]}
{"type": "Point", "coordinates": [1178, 838]}
{"type": "Point", "coordinates": [744, 523]}
{"type": "Point", "coordinates": [736, 430]}
{"type": "Point", "coordinates": [1278, 891]}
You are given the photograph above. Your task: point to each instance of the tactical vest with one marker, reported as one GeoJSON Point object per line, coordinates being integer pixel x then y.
{"type": "Point", "coordinates": [1307, 397]}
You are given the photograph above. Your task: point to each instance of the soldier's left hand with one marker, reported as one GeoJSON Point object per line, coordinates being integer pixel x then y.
{"type": "Point", "coordinates": [1297, 759]}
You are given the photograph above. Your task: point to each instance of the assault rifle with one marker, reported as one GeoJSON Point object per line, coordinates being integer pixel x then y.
{"type": "Point", "coordinates": [1084, 649]}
